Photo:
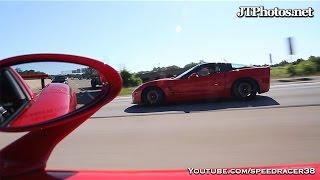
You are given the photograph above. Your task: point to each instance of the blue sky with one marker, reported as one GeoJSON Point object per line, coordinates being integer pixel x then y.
{"type": "Point", "coordinates": [142, 35]}
{"type": "Point", "coordinates": [50, 68]}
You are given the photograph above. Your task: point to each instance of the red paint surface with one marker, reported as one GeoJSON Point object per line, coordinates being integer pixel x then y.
{"type": "Point", "coordinates": [55, 100]}
{"type": "Point", "coordinates": [213, 86]}
{"type": "Point", "coordinates": [166, 174]}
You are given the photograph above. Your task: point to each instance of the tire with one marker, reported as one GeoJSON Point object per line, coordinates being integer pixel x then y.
{"type": "Point", "coordinates": [153, 96]}
{"type": "Point", "coordinates": [244, 90]}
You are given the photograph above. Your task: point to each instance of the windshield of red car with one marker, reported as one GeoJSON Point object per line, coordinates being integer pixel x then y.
{"type": "Point", "coordinates": [185, 73]}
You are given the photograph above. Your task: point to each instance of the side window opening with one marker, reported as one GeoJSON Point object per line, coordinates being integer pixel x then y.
{"type": "Point", "coordinates": [205, 71]}
{"type": "Point", "coordinates": [12, 97]}
{"type": "Point", "coordinates": [210, 70]}
{"type": "Point", "coordinates": [216, 69]}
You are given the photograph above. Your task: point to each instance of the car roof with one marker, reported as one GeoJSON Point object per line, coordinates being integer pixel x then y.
{"type": "Point", "coordinates": [214, 63]}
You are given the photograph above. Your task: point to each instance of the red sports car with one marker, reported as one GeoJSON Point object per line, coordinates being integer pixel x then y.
{"type": "Point", "coordinates": [205, 82]}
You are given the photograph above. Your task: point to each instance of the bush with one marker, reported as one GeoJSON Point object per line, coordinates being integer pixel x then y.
{"type": "Point", "coordinates": [129, 79]}
{"type": "Point", "coordinates": [282, 63]}
{"type": "Point", "coordinates": [291, 70]}
{"type": "Point", "coordinates": [297, 61]}
{"type": "Point", "coordinates": [315, 60]}
{"type": "Point", "coordinates": [306, 68]}
{"type": "Point", "coordinates": [279, 72]}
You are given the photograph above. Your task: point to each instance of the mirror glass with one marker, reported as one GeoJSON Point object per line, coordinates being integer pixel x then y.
{"type": "Point", "coordinates": [33, 93]}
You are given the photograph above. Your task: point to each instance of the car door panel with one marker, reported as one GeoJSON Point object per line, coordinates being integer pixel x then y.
{"type": "Point", "coordinates": [197, 88]}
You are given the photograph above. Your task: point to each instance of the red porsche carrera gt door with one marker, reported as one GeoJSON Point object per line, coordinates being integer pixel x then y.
{"type": "Point", "coordinates": [205, 82]}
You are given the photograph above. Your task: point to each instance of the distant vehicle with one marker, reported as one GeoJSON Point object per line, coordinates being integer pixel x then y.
{"type": "Point", "coordinates": [95, 81]}
{"type": "Point", "coordinates": [204, 82]}
{"type": "Point", "coordinates": [60, 79]}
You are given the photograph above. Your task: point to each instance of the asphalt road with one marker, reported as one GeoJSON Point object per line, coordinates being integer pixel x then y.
{"type": "Point", "coordinates": [279, 127]}
{"type": "Point", "coordinates": [85, 93]}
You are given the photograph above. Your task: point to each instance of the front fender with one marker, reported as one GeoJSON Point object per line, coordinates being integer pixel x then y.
{"type": "Point", "coordinates": [41, 108]}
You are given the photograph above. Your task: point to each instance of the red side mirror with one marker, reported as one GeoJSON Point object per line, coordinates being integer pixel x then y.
{"type": "Point", "coordinates": [28, 103]}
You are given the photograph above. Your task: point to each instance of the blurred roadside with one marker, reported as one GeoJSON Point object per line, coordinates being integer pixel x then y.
{"type": "Point", "coordinates": [295, 79]}
{"type": "Point", "coordinates": [126, 92]}
{"type": "Point", "coordinates": [35, 84]}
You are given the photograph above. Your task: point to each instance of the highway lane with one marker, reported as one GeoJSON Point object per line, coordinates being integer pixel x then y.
{"type": "Point", "coordinates": [208, 139]}
{"type": "Point", "coordinates": [84, 92]}
{"type": "Point", "coordinates": [279, 127]}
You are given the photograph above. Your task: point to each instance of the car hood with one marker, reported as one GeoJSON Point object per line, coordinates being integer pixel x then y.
{"type": "Point", "coordinates": [160, 80]}
{"type": "Point", "coordinates": [154, 82]}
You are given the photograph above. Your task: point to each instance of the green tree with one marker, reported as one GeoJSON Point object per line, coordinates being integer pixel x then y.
{"type": "Point", "coordinates": [316, 61]}
{"type": "Point", "coordinates": [306, 68]}
{"type": "Point", "coordinates": [190, 65]}
{"type": "Point", "coordinates": [297, 61]}
{"type": "Point", "coordinates": [172, 68]}
{"type": "Point", "coordinates": [291, 70]}
{"type": "Point", "coordinates": [89, 73]}
{"type": "Point", "coordinates": [129, 79]}
{"type": "Point", "coordinates": [19, 70]}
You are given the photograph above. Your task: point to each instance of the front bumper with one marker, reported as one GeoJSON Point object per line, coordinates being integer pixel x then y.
{"type": "Point", "coordinates": [136, 98]}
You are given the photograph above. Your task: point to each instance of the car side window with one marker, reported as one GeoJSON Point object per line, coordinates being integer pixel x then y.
{"type": "Point", "coordinates": [12, 97]}
{"type": "Point", "coordinates": [216, 69]}
{"type": "Point", "coordinates": [205, 71]}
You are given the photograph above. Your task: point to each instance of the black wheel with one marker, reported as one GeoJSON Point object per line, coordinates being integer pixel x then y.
{"type": "Point", "coordinates": [153, 96]}
{"type": "Point", "coordinates": [244, 90]}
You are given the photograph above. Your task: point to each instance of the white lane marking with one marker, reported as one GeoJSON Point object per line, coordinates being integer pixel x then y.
{"type": "Point", "coordinates": [311, 87]}
{"type": "Point", "coordinates": [122, 97]}
{"type": "Point", "coordinates": [296, 84]}
{"type": "Point", "coordinates": [121, 100]}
